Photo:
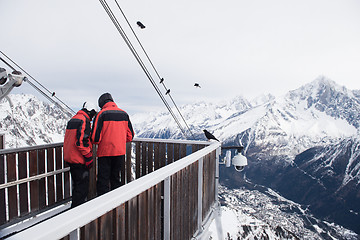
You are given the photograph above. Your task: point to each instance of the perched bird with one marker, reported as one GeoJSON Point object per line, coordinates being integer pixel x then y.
{"type": "Point", "coordinates": [53, 94]}
{"type": "Point", "coordinates": [142, 26]}
{"type": "Point", "coordinates": [161, 80]}
{"type": "Point", "coordinates": [167, 92]}
{"type": "Point", "coordinates": [209, 135]}
{"type": "Point", "coordinates": [197, 85]}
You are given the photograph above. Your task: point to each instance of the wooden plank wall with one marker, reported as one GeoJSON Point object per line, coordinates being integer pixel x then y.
{"type": "Point", "coordinates": [138, 218]}
{"type": "Point", "coordinates": [208, 183]}
{"type": "Point", "coordinates": [183, 205]}
{"type": "Point", "coordinates": [142, 216]}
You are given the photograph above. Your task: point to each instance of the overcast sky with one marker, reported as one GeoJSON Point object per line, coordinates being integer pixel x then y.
{"type": "Point", "coordinates": [229, 47]}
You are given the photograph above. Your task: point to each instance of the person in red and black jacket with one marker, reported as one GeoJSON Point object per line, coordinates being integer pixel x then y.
{"type": "Point", "coordinates": [78, 152]}
{"type": "Point", "coordinates": [111, 130]}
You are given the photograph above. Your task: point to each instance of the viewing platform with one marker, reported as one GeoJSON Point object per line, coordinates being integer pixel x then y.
{"type": "Point", "coordinates": [169, 191]}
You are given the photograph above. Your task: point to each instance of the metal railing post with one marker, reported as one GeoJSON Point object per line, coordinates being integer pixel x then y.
{"type": "Point", "coordinates": [2, 141]}
{"type": "Point", "coordinates": [218, 207]}
{"type": "Point", "coordinates": [200, 193]}
{"type": "Point", "coordinates": [167, 184]}
{"type": "Point", "coordinates": [74, 235]}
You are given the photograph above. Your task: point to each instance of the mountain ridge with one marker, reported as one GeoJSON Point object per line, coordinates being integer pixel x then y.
{"type": "Point", "coordinates": [28, 121]}
{"type": "Point", "coordinates": [288, 118]}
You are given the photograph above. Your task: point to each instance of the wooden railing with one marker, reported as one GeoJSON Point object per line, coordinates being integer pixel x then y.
{"type": "Point", "coordinates": [32, 179]}
{"type": "Point", "coordinates": [2, 143]}
{"type": "Point", "coordinates": [183, 198]}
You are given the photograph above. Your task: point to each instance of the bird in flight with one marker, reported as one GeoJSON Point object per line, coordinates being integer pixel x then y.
{"type": "Point", "coordinates": [209, 136]}
{"type": "Point", "coordinates": [197, 85]}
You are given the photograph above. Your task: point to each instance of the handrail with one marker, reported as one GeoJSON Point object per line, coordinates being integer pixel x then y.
{"type": "Point", "coordinates": [25, 149]}
{"type": "Point", "coordinates": [43, 146]}
{"type": "Point", "coordinates": [63, 224]}
{"type": "Point", "coordinates": [37, 177]}
{"type": "Point", "coordinates": [160, 140]}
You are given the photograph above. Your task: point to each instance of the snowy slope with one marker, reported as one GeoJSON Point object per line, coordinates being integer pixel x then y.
{"type": "Point", "coordinates": [257, 212]}
{"type": "Point", "coordinates": [30, 121]}
{"type": "Point", "coordinates": [198, 116]}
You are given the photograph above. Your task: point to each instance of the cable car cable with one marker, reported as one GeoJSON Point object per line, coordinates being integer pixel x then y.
{"type": "Point", "coordinates": [123, 34]}
{"type": "Point", "coordinates": [151, 63]}
{"type": "Point", "coordinates": [71, 111]}
{"type": "Point", "coordinates": [35, 87]}
{"type": "Point", "coordinates": [137, 57]}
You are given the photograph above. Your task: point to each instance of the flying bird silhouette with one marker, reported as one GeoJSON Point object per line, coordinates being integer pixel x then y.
{"type": "Point", "coordinates": [142, 26]}
{"type": "Point", "coordinates": [209, 136]}
{"type": "Point", "coordinates": [197, 85]}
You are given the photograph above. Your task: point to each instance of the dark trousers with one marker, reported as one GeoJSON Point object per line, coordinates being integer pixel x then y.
{"type": "Point", "coordinates": [80, 183]}
{"type": "Point", "coordinates": [109, 173]}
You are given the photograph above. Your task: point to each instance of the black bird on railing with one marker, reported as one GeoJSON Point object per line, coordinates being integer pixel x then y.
{"type": "Point", "coordinates": [209, 135]}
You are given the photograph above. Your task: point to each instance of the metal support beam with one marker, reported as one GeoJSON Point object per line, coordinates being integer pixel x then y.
{"type": "Point", "coordinates": [217, 203]}
{"type": "Point", "coordinates": [167, 184]}
{"type": "Point", "coordinates": [74, 235]}
{"type": "Point", "coordinates": [217, 175]}
{"type": "Point", "coordinates": [2, 141]}
{"type": "Point", "coordinates": [200, 193]}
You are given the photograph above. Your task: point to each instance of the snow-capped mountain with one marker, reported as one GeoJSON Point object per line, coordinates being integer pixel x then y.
{"type": "Point", "coordinates": [295, 122]}
{"type": "Point", "coordinates": [279, 133]}
{"type": "Point", "coordinates": [304, 145]}
{"type": "Point", "coordinates": [27, 121]}
{"type": "Point", "coordinates": [198, 116]}
{"type": "Point", "coordinates": [327, 179]}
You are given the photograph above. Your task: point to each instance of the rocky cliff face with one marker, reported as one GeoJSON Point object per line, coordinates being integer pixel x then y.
{"type": "Point", "coordinates": [27, 121]}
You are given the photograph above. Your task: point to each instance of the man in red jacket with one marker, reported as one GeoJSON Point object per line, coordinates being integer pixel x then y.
{"type": "Point", "coordinates": [78, 152]}
{"type": "Point", "coordinates": [112, 129]}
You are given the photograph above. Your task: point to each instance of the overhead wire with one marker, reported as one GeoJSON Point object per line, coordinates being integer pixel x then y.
{"type": "Point", "coordinates": [69, 111]}
{"type": "Point", "coordinates": [153, 66]}
{"type": "Point", "coordinates": [137, 57]}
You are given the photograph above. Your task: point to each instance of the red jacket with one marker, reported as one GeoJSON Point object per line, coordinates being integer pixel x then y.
{"type": "Point", "coordinates": [77, 138]}
{"type": "Point", "coordinates": [112, 129]}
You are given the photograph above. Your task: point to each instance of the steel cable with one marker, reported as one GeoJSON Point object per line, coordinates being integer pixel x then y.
{"type": "Point", "coordinates": [137, 57]}
{"type": "Point", "coordinates": [153, 66]}
{"type": "Point", "coordinates": [38, 89]}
